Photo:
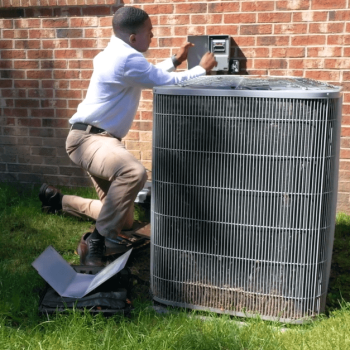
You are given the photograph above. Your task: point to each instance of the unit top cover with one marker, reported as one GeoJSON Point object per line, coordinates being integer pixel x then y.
{"type": "Point", "coordinates": [251, 85]}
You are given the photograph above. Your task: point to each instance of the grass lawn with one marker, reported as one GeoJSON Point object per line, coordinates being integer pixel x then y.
{"type": "Point", "coordinates": [26, 232]}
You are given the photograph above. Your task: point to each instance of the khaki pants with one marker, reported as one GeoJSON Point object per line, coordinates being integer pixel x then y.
{"type": "Point", "coordinates": [116, 174]}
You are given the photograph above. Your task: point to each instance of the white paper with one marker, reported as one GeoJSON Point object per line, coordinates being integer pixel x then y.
{"type": "Point", "coordinates": [66, 281]}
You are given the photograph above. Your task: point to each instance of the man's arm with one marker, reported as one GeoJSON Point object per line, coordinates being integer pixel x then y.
{"type": "Point", "coordinates": [138, 71]}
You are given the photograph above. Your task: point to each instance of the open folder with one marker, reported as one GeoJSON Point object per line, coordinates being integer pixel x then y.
{"type": "Point", "coordinates": [66, 281]}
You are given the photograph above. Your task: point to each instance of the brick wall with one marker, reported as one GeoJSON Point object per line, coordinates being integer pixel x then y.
{"type": "Point", "coordinates": [47, 47]}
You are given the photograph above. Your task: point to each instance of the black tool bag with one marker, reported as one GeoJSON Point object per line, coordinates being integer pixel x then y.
{"type": "Point", "coordinates": [109, 298]}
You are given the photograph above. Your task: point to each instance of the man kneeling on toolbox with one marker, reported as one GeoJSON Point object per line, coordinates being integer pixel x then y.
{"type": "Point", "coordinates": [103, 119]}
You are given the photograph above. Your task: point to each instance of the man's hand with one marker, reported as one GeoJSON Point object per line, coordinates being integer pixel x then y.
{"type": "Point", "coordinates": [208, 61]}
{"type": "Point", "coordinates": [181, 55]}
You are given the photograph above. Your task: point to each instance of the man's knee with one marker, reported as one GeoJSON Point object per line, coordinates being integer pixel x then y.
{"type": "Point", "coordinates": [140, 174]}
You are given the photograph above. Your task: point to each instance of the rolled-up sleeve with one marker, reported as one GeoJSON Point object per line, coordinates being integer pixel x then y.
{"type": "Point", "coordinates": [138, 71]}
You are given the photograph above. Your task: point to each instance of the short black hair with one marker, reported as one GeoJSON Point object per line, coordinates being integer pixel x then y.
{"type": "Point", "coordinates": [128, 19]}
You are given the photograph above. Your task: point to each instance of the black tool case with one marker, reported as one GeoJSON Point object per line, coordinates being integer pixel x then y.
{"type": "Point", "coordinates": [109, 298]}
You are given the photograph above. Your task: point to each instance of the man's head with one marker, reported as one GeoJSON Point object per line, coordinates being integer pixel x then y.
{"type": "Point", "coordinates": [133, 26]}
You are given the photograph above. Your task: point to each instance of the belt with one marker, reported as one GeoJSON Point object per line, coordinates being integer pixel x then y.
{"type": "Point", "coordinates": [84, 127]}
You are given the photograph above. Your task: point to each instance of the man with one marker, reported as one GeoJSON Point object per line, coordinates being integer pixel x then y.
{"type": "Point", "coordinates": [104, 118]}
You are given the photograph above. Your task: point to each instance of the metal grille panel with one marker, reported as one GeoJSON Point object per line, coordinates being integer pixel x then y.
{"type": "Point", "coordinates": [242, 192]}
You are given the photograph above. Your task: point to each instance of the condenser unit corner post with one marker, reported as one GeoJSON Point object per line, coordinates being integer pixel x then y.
{"type": "Point", "coordinates": [244, 188]}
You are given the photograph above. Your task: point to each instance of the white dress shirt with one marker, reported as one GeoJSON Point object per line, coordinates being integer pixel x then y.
{"type": "Point", "coordinates": [120, 73]}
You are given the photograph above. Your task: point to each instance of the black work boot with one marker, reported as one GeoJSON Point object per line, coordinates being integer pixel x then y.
{"type": "Point", "coordinates": [51, 199]}
{"type": "Point", "coordinates": [91, 251]}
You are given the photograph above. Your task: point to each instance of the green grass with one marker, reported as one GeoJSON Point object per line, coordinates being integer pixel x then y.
{"type": "Point", "coordinates": [26, 232]}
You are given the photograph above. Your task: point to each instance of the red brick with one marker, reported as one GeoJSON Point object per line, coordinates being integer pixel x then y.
{"type": "Point", "coordinates": [175, 20]}
{"type": "Point", "coordinates": [98, 33]}
{"type": "Point", "coordinates": [307, 40]}
{"type": "Point", "coordinates": [343, 63]}
{"type": "Point", "coordinates": [290, 28]}
{"type": "Point", "coordinates": [345, 121]}
{"type": "Point", "coordinates": [145, 105]}
{"type": "Point", "coordinates": [274, 17]}
{"type": "Point", "coordinates": [270, 63]}
{"type": "Point", "coordinates": [25, 103]}
{"type": "Point", "coordinates": [30, 122]}
{"type": "Point", "coordinates": [27, 23]}
{"type": "Point", "coordinates": [141, 125]}
{"type": "Point", "coordinates": [83, 43]}
{"type": "Point", "coordinates": [80, 64]}
{"type": "Point", "coordinates": [11, 54]}
{"type": "Point", "coordinates": [346, 110]}
{"type": "Point", "coordinates": [15, 93]}
{"type": "Point", "coordinates": [84, 22]}
{"type": "Point", "coordinates": [86, 74]}
{"type": "Point", "coordinates": [42, 33]}
{"type": "Point", "coordinates": [6, 44]}
{"type": "Point", "coordinates": [346, 76]}
{"type": "Point", "coordinates": [96, 11]}
{"type": "Point", "coordinates": [223, 7]}
{"type": "Point", "coordinates": [240, 18]}
{"type": "Point", "coordinates": [159, 9]}
{"type": "Point", "coordinates": [326, 51]}
{"type": "Point", "coordinates": [146, 115]}
{"type": "Point", "coordinates": [306, 64]}
{"type": "Point", "coordinates": [15, 34]}
{"type": "Point", "coordinates": [328, 4]}
{"type": "Point", "coordinates": [339, 15]}
{"type": "Point", "coordinates": [79, 84]}
{"type": "Point", "coordinates": [6, 64]}
{"type": "Point", "coordinates": [273, 40]}
{"type": "Point", "coordinates": [6, 23]}
{"type": "Point", "coordinates": [60, 64]}
{"type": "Point", "coordinates": [17, 112]}
{"type": "Point", "coordinates": [39, 74]}
{"type": "Point", "coordinates": [90, 53]}
{"type": "Point", "coordinates": [27, 44]}
{"type": "Point", "coordinates": [323, 75]}
{"type": "Point", "coordinates": [53, 103]}
{"type": "Point", "coordinates": [171, 42]}
{"type": "Point", "coordinates": [105, 21]}
{"type": "Point", "coordinates": [345, 154]}
{"type": "Point", "coordinates": [162, 31]}
{"type": "Point", "coordinates": [256, 29]}
{"type": "Point", "coordinates": [293, 5]}
{"type": "Point", "coordinates": [55, 23]}
{"type": "Point", "coordinates": [342, 39]}
{"type": "Point", "coordinates": [37, 54]}
{"type": "Point", "coordinates": [40, 93]}
{"type": "Point", "coordinates": [288, 52]}
{"type": "Point", "coordinates": [244, 41]}
{"type": "Point", "coordinates": [191, 30]}
{"type": "Point", "coordinates": [257, 6]}
{"type": "Point", "coordinates": [67, 54]}
{"type": "Point", "coordinates": [206, 18]}
{"type": "Point", "coordinates": [253, 52]}
{"type": "Point", "coordinates": [62, 84]}
{"type": "Point", "coordinates": [65, 113]}
{"type": "Point", "coordinates": [66, 74]}
{"type": "Point", "coordinates": [310, 16]}
{"type": "Point", "coordinates": [147, 95]}
{"type": "Point", "coordinates": [26, 83]}
{"type": "Point", "coordinates": [9, 102]}
{"type": "Point", "coordinates": [326, 28]}
{"type": "Point", "coordinates": [190, 8]}
{"type": "Point", "coordinates": [55, 44]}
{"type": "Point", "coordinates": [73, 103]}
{"type": "Point", "coordinates": [345, 143]}
{"type": "Point", "coordinates": [68, 94]}
{"type": "Point", "coordinates": [26, 64]}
